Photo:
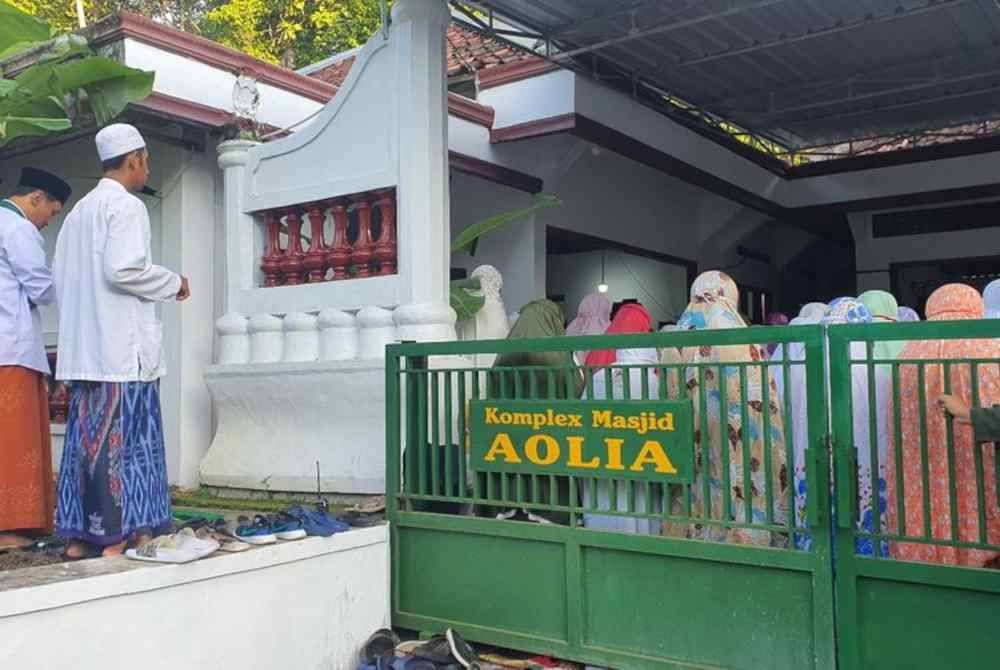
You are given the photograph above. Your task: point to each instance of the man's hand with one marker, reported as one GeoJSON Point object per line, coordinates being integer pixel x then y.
{"type": "Point", "coordinates": [951, 405]}
{"type": "Point", "coordinates": [185, 291]}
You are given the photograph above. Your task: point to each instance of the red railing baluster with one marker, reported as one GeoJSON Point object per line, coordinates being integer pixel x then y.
{"type": "Point", "coordinates": [291, 263]}
{"type": "Point", "coordinates": [364, 248]}
{"type": "Point", "coordinates": [339, 254]}
{"type": "Point", "coordinates": [385, 248]}
{"type": "Point", "coordinates": [270, 262]}
{"type": "Point", "coordinates": [59, 403]}
{"type": "Point", "coordinates": [315, 259]}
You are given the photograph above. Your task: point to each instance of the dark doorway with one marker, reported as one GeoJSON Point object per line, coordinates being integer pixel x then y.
{"type": "Point", "coordinates": [912, 283]}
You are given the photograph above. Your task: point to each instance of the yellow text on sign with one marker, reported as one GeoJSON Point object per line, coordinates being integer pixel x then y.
{"type": "Point", "coordinates": [545, 450]}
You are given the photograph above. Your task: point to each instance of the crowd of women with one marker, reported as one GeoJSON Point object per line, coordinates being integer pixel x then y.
{"type": "Point", "coordinates": [753, 461]}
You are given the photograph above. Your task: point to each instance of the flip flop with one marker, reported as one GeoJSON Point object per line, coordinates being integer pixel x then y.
{"type": "Point", "coordinates": [162, 549]}
{"type": "Point", "coordinates": [227, 542]}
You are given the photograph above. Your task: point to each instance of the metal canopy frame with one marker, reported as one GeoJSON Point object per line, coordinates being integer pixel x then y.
{"type": "Point", "coordinates": [833, 78]}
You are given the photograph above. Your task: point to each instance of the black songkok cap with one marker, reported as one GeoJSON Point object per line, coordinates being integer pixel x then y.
{"type": "Point", "coordinates": [45, 181]}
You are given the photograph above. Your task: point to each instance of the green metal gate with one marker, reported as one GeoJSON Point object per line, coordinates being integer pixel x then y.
{"type": "Point", "coordinates": [668, 596]}
{"type": "Point", "coordinates": [897, 605]}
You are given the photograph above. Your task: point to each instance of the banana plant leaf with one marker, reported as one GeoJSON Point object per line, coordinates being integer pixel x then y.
{"type": "Point", "coordinates": [66, 80]}
{"type": "Point", "coordinates": [468, 239]}
{"type": "Point", "coordinates": [106, 87]}
{"type": "Point", "coordinates": [465, 304]}
{"type": "Point", "coordinates": [19, 30]}
{"type": "Point", "coordinates": [20, 126]}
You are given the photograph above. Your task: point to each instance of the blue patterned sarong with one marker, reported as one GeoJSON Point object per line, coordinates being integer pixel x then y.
{"type": "Point", "coordinates": [113, 478]}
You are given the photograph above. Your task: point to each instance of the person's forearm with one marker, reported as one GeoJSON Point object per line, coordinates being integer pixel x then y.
{"type": "Point", "coordinates": [986, 423]}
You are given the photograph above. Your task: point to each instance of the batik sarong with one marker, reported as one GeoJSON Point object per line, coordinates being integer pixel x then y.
{"type": "Point", "coordinates": [113, 478]}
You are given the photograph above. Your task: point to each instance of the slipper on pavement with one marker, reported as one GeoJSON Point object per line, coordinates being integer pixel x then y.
{"type": "Point", "coordinates": [162, 549]}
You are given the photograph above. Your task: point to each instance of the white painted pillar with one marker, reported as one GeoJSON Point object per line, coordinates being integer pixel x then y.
{"type": "Point", "coordinates": [189, 327]}
{"type": "Point", "coordinates": [418, 30]}
{"type": "Point", "coordinates": [240, 229]}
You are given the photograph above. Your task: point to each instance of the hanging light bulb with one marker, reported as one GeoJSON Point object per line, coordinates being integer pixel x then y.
{"type": "Point", "coordinates": [603, 286]}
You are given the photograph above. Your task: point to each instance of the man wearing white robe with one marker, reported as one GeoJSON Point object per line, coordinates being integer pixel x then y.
{"type": "Point", "coordinates": [26, 502]}
{"type": "Point", "coordinates": [113, 480]}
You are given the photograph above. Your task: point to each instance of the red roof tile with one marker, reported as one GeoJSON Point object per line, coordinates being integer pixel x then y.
{"type": "Point", "coordinates": [469, 51]}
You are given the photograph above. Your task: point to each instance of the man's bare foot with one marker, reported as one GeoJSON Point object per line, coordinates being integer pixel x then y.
{"type": "Point", "coordinates": [14, 541]}
{"type": "Point", "coordinates": [114, 549]}
{"type": "Point", "coordinates": [76, 550]}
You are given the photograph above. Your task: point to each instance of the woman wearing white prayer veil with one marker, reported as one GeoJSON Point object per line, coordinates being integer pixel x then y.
{"type": "Point", "coordinates": [991, 300]}
{"type": "Point", "coordinates": [813, 312]}
{"type": "Point", "coordinates": [490, 322]}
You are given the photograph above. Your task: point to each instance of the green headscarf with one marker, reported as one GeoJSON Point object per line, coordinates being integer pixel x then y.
{"type": "Point", "coordinates": [884, 309]}
{"type": "Point", "coordinates": [541, 318]}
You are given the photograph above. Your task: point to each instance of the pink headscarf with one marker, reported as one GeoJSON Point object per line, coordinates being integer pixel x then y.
{"type": "Point", "coordinates": [631, 318]}
{"type": "Point", "coordinates": [593, 316]}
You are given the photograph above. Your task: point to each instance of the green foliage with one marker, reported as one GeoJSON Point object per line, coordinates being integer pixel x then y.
{"type": "Point", "coordinates": [19, 30]}
{"type": "Point", "coordinates": [293, 33]}
{"type": "Point", "coordinates": [469, 238]}
{"type": "Point", "coordinates": [66, 84]}
{"type": "Point", "coordinates": [61, 14]}
{"type": "Point", "coordinates": [462, 297]}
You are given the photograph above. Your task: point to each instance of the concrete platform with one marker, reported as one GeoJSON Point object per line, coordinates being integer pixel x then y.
{"type": "Point", "coordinates": [296, 605]}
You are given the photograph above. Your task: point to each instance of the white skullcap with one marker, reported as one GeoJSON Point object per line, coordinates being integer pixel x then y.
{"type": "Point", "coordinates": [118, 139]}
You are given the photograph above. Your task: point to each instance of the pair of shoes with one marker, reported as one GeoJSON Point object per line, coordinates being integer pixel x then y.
{"type": "Point", "coordinates": [317, 521]}
{"type": "Point", "coordinates": [183, 546]}
{"type": "Point", "coordinates": [268, 530]}
{"type": "Point", "coordinates": [446, 649]}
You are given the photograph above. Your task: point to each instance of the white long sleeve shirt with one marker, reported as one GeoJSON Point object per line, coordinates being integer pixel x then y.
{"type": "Point", "coordinates": [107, 287]}
{"type": "Point", "coordinates": [25, 283]}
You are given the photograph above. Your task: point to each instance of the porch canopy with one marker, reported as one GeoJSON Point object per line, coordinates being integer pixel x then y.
{"type": "Point", "coordinates": [811, 76]}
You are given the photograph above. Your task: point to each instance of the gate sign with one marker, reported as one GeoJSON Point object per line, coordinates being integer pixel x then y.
{"type": "Point", "coordinates": [625, 439]}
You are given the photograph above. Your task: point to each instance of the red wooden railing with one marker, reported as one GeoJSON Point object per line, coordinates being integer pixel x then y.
{"type": "Point", "coordinates": [58, 394]}
{"type": "Point", "coordinates": [353, 253]}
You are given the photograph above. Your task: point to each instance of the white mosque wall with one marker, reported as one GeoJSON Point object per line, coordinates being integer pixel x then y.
{"type": "Point", "coordinates": [304, 604]}
{"type": "Point", "coordinates": [193, 80]}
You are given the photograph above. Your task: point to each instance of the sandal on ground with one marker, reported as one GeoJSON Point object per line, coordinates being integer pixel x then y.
{"type": "Point", "coordinates": [361, 520]}
{"type": "Point", "coordinates": [227, 541]}
{"type": "Point", "coordinates": [461, 650]}
{"type": "Point", "coordinates": [162, 549]}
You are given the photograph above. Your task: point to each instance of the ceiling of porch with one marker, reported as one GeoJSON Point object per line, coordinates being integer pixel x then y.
{"type": "Point", "coordinates": [805, 74]}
